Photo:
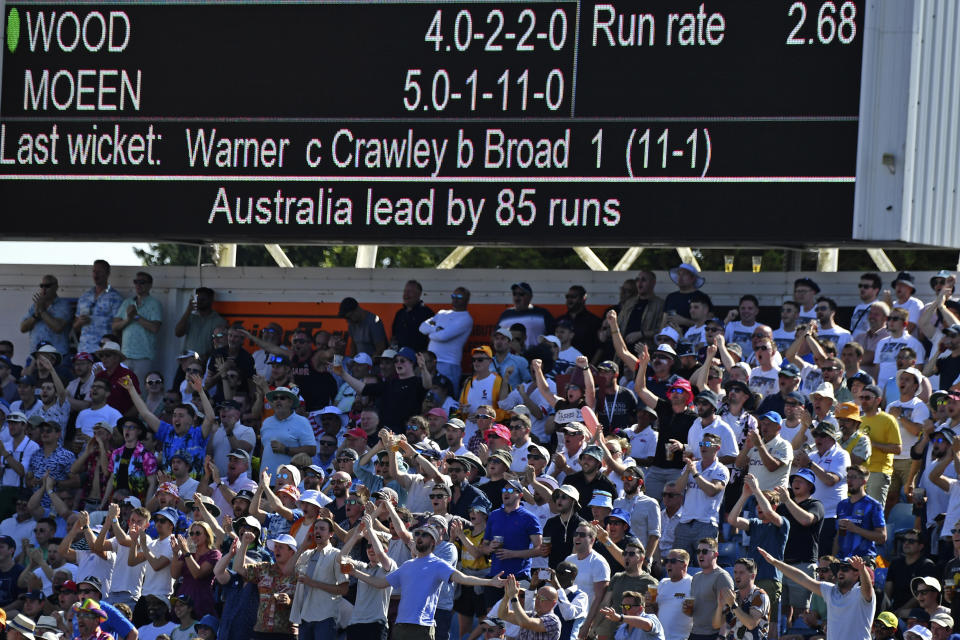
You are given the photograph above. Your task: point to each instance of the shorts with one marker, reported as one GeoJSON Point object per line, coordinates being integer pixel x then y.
{"type": "Point", "coordinates": [796, 596]}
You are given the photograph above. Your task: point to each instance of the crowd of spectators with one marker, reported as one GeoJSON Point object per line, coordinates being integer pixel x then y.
{"type": "Point", "coordinates": [663, 470]}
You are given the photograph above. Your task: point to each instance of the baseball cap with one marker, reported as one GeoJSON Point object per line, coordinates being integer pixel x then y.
{"type": "Point", "coordinates": [789, 370]}
{"type": "Point", "coordinates": [919, 631]}
{"type": "Point", "coordinates": [551, 339]}
{"type": "Point", "coordinates": [773, 417]}
{"type": "Point", "coordinates": [942, 619]}
{"type": "Point", "coordinates": [807, 475]}
{"type": "Point", "coordinates": [522, 285]}
{"type": "Point", "coordinates": [356, 432]}
{"type": "Point", "coordinates": [241, 454]}
{"type": "Point", "coordinates": [407, 354]}
{"type": "Point", "coordinates": [229, 404]}
{"type": "Point", "coordinates": [439, 412]}
{"type": "Point", "coordinates": [483, 350]}
{"type": "Point", "coordinates": [363, 358]}
{"type": "Point", "coordinates": [456, 423]}
{"type": "Point", "coordinates": [888, 620]}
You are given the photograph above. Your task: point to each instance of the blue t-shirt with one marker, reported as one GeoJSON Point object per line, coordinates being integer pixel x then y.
{"type": "Point", "coordinates": [867, 514]}
{"type": "Point", "coordinates": [116, 625]}
{"type": "Point", "coordinates": [625, 632]}
{"type": "Point", "coordinates": [773, 539]}
{"type": "Point", "coordinates": [419, 581]}
{"type": "Point", "coordinates": [516, 528]}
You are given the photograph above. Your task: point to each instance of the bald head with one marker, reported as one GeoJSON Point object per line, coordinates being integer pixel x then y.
{"type": "Point", "coordinates": [546, 599]}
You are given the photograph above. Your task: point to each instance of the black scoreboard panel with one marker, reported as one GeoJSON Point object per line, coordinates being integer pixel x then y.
{"type": "Point", "coordinates": [533, 123]}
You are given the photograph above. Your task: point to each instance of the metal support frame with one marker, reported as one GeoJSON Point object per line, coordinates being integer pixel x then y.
{"type": "Point", "coordinates": [628, 259]}
{"type": "Point", "coordinates": [686, 255]}
{"type": "Point", "coordinates": [591, 259]}
{"type": "Point", "coordinates": [366, 256]}
{"type": "Point", "coordinates": [278, 255]}
{"type": "Point", "coordinates": [881, 259]}
{"type": "Point", "coordinates": [827, 259]}
{"type": "Point", "coordinates": [226, 255]}
{"type": "Point", "coordinates": [454, 258]}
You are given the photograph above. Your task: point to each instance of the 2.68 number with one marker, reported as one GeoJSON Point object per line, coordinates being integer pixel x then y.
{"type": "Point", "coordinates": [828, 27]}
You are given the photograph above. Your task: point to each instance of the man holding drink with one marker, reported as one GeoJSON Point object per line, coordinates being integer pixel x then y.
{"type": "Point", "coordinates": [320, 586]}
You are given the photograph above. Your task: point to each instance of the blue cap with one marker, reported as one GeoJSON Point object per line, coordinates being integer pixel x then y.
{"type": "Point", "coordinates": [601, 499]}
{"type": "Point", "coordinates": [211, 621]}
{"type": "Point", "coordinates": [772, 416]}
{"type": "Point", "coordinates": [169, 513]}
{"type": "Point", "coordinates": [619, 514]}
{"type": "Point", "coordinates": [807, 475]}
{"type": "Point", "coordinates": [480, 507]}
{"type": "Point", "coordinates": [408, 353]}
{"type": "Point", "coordinates": [796, 395]}
{"type": "Point", "coordinates": [790, 370]}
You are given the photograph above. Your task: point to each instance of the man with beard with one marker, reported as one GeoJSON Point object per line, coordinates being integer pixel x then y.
{"type": "Point", "coordinates": [706, 403]}
{"type": "Point", "coordinates": [398, 398]}
{"type": "Point", "coordinates": [747, 608]}
{"type": "Point", "coordinates": [590, 479]}
{"type": "Point", "coordinates": [930, 449]}
{"type": "Point", "coordinates": [644, 512]}
{"type": "Point", "coordinates": [321, 585]}
{"type": "Point", "coordinates": [448, 331]}
{"type": "Point", "coordinates": [419, 580]}
{"type": "Point", "coordinates": [850, 603]}
{"type": "Point", "coordinates": [616, 406]}
{"type": "Point", "coordinates": [512, 538]}
{"type": "Point", "coordinates": [338, 486]}
{"type": "Point", "coordinates": [231, 435]}
{"type": "Point", "coordinates": [805, 516]}
{"type": "Point", "coordinates": [632, 579]}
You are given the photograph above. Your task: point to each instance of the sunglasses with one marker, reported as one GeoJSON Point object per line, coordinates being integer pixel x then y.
{"type": "Point", "coordinates": [437, 496]}
{"type": "Point", "coordinates": [195, 534]}
{"type": "Point", "coordinates": [667, 494]}
{"type": "Point", "coordinates": [412, 427]}
{"type": "Point", "coordinates": [352, 501]}
{"type": "Point", "coordinates": [631, 553]}
{"type": "Point", "coordinates": [677, 390]}
{"type": "Point", "coordinates": [865, 286]}
{"type": "Point", "coordinates": [456, 469]}
{"type": "Point", "coordinates": [707, 444]}
{"type": "Point", "coordinates": [88, 616]}
{"type": "Point", "coordinates": [154, 381]}
{"type": "Point", "coordinates": [910, 540]}
{"type": "Point", "coordinates": [823, 570]}
{"type": "Point", "coordinates": [763, 347]}
{"type": "Point", "coordinates": [344, 459]}
{"type": "Point", "coordinates": [701, 552]}
{"type": "Point", "coordinates": [515, 426]}
{"type": "Point", "coordinates": [674, 561]}
{"type": "Point", "coordinates": [194, 370]}
{"type": "Point", "coordinates": [581, 534]}
{"type": "Point", "coordinates": [509, 490]}
{"type": "Point", "coordinates": [422, 534]}
{"type": "Point", "coordinates": [339, 481]}
{"type": "Point", "coordinates": [627, 607]}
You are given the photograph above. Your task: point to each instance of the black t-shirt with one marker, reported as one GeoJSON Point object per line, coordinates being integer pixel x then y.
{"type": "Point", "coordinates": [678, 301]}
{"type": "Point", "coordinates": [317, 388]}
{"type": "Point", "coordinates": [492, 490]}
{"type": "Point", "coordinates": [901, 574]}
{"type": "Point", "coordinates": [604, 551]}
{"type": "Point", "coordinates": [9, 591]}
{"type": "Point", "coordinates": [950, 570]}
{"type": "Point", "coordinates": [561, 538]}
{"type": "Point", "coordinates": [802, 541]}
{"type": "Point", "coordinates": [586, 489]}
{"type": "Point", "coordinates": [672, 426]}
{"type": "Point", "coordinates": [635, 321]}
{"type": "Point", "coordinates": [122, 468]}
{"type": "Point", "coordinates": [617, 410]}
{"type": "Point", "coordinates": [397, 400]}
{"type": "Point", "coordinates": [949, 369]}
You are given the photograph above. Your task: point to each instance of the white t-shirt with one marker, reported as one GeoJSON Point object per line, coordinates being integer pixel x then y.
{"type": "Point", "coordinates": [740, 333]}
{"type": "Point", "coordinates": [22, 454]}
{"type": "Point", "coordinates": [788, 433]}
{"type": "Point", "coordinates": [886, 355]}
{"type": "Point", "coordinates": [834, 460]}
{"type": "Point", "coordinates": [520, 457]}
{"type": "Point", "coordinates": [913, 305]}
{"type": "Point", "coordinates": [728, 440]}
{"type": "Point", "coordinates": [18, 531]}
{"type": "Point", "coordinates": [914, 410]}
{"type": "Point", "coordinates": [764, 382]}
{"type": "Point", "coordinates": [838, 335]}
{"type": "Point", "coordinates": [150, 632]}
{"type": "Point", "coordinates": [766, 479]}
{"type": "Point", "coordinates": [47, 585]}
{"type": "Point", "coordinates": [188, 488]}
{"type": "Point", "coordinates": [697, 336]}
{"type": "Point", "coordinates": [220, 444]}
{"type": "Point", "coordinates": [592, 569]}
{"type": "Point", "coordinates": [808, 314]}
{"type": "Point", "coordinates": [849, 614]}
{"type": "Point", "coordinates": [697, 505]}
{"type": "Point", "coordinates": [859, 321]}
{"type": "Point", "coordinates": [127, 578]}
{"type": "Point", "coordinates": [783, 338]}
{"type": "Point", "coordinates": [89, 417]}
{"type": "Point", "coordinates": [670, 596]}
{"type": "Point", "coordinates": [810, 378]}
{"type": "Point", "coordinates": [644, 443]}
{"type": "Point", "coordinates": [158, 583]}
{"type": "Point", "coordinates": [91, 564]}
{"type": "Point", "coordinates": [937, 499]}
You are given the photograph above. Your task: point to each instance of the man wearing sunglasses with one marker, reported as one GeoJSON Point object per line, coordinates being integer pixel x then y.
{"type": "Point", "coordinates": [448, 331]}
{"type": "Point", "coordinates": [632, 580]}
{"type": "Point", "coordinates": [198, 322]}
{"type": "Point", "coordinates": [705, 589]}
{"type": "Point", "coordinates": [512, 538]}
{"type": "Point", "coordinates": [913, 563]}
{"type": "Point", "coordinates": [702, 482]}
{"type": "Point", "coordinates": [673, 589]}
{"type": "Point", "coordinates": [850, 602]}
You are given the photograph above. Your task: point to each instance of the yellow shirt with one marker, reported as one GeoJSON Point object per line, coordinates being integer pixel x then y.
{"type": "Point", "coordinates": [882, 429]}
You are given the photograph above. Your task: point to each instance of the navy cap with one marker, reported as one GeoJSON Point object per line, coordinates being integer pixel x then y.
{"type": "Point", "coordinates": [347, 305]}
{"type": "Point", "coordinates": [790, 370]}
{"type": "Point", "coordinates": [566, 323]}
{"type": "Point", "coordinates": [861, 376]}
{"type": "Point", "coordinates": [796, 395]}
{"type": "Point", "coordinates": [522, 285]}
{"type": "Point", "coordinates": [408, 353]}
{"type": "Point", "coordinates": [806, 282]}
{"type": "Point", "coordinates": [30, 380]}
{"type": "Point", "coordinates": [709, 397]}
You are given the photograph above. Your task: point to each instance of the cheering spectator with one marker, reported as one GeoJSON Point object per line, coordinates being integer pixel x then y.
{"type": "Point", "coordinates": [137, 320]}
{"type": "Point", "coordinates": [593, 572]}
{"type": "Point", "coordinates": [705, 590]}
{"type": "Point", "coordinates": [829, 463]}
{"type": "Point", "coordinates": [702, 482]}
{"type": "Point", "coordinates": [862, 527]}
{"type": "Point", "coordinates": [805, 517]}
{"type": "Point", "coordinates": [48, 317]}
{"type": "Point", "coordinates": [198, 322]}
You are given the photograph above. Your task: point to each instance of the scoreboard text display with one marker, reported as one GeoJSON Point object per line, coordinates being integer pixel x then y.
{"type": "Point", "coordinates": [445, 123]}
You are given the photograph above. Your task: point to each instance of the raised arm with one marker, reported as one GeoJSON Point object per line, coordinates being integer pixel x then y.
{"type": "Point", "coordinates": [640, 381]}
{"type": "Point", "coordinates": [220, 573]}
{"type": "Point", "coordinates": [149, 419]}
{"type": "Point", "coordinates": [796, 575]}
{"type": "Point", "coordinates": [619, 345]}
{"type": "Point", "coordinates": [536, 370]}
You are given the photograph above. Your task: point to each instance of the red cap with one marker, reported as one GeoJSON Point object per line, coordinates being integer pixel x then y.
{"type": "Point", "coordinates": [69, 585]}
{"type": "Point", "coordinates": [357, 432]}
{"type": "Point", "coordinates": [437, 411]}
{"type": "Point", "coordinates": [83, 355]}
{"type": "Point", "coordinates": [498, 430]}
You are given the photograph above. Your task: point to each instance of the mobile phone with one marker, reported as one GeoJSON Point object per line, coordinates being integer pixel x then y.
{"type": "Point", "coordinates": [544, 574]}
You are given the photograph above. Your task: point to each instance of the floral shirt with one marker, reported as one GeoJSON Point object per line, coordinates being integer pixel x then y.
{"type": "Point", "coordinates": [42, 332]}
{"type": "Point", "coordinates": [192, 442]}
{"type": "Point", "coordinates": [98, 634]}
{"type": "Point", "coordinates": [140, 467]}
{"type": "Point", "coordinates": [57, 463]}
{"type": "Point", "coordinates": [276, 525]}
{"type": "Point", "coordinates": [101, 311]}
{"type": "Point", "coordinates": [756, 601]}
{"type": "Point", "coordinates": [272, 617]}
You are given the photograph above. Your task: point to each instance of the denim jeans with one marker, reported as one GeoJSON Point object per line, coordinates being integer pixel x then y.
{"type": "Point", "coordinates": [319, 630]}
